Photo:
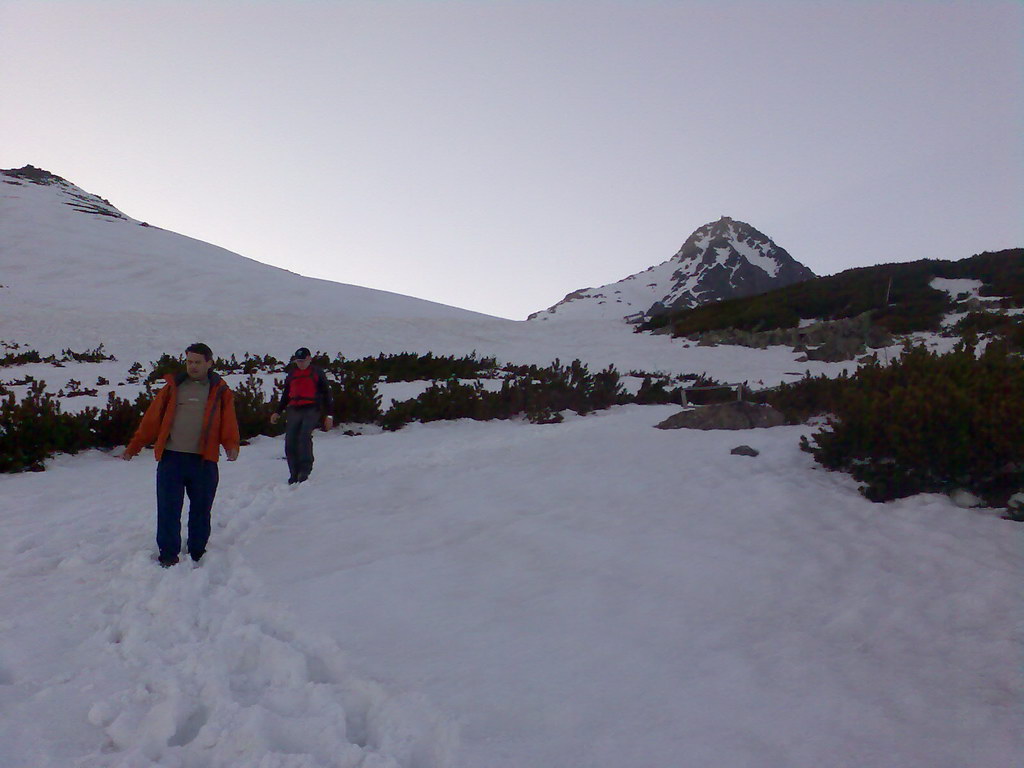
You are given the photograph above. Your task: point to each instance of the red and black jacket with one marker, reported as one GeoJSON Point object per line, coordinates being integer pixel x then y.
{"type": "Point", "coordinates": [306, 389]}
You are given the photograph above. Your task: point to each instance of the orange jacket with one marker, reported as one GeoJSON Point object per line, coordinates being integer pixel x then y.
{"type": "Point", "coordinates": [220, 426]}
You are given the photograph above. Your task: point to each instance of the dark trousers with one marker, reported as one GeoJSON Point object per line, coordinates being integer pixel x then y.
{"type": "Point", "coordinates": [178, 474]}
{"type": "Point", "coordinates": [298, 438]}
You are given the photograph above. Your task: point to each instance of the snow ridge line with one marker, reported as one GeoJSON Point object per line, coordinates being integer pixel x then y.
{"type": "Point", "coordinates": [225, 678]}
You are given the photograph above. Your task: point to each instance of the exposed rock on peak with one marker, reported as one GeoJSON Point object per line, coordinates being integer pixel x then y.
{"type": "Point", "coordinates": [33, 174]}
{"type": "Point", "coordinates": [724, 259]}
{"type": "Point", "coordinates": [77, 198]}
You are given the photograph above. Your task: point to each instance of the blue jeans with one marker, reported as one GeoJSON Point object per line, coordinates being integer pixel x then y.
{"type": "Point", "coordinates": [298, 438]}
{"type": "Point", "coordinates": [178, 474]}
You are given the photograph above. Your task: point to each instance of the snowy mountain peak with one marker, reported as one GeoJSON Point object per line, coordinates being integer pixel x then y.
{"type": "Point", "coordinates": [724, 259]}
{"type": "Point", "coordinates": [75, 197]}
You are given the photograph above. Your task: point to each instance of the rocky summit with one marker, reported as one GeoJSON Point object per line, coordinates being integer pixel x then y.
{"type": "Point", "coordinates": [725, 259]}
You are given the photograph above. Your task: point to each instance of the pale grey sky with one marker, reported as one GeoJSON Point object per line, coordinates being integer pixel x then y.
{"type": "Point", "coordinates": [497, 155]}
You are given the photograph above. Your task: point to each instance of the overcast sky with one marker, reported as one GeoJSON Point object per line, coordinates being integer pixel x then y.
{"type": "Point", "coordinates": [497, 155]}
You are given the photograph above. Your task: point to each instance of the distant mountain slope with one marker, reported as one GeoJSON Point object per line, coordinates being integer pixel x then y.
{"type": "Point", "coordinates": [901, 297]}
{"type": "Point", "coordinates": [65, 248]}
{"type": "Point", "coordinates": [721, 260]}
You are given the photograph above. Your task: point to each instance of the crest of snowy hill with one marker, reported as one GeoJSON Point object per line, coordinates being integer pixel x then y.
{"type": "Point", "coordinates": [74, 270]}
{"type": "Point", "coordinates": [64, 248]}
{"type": "Point", "coordinates": [725, 259]}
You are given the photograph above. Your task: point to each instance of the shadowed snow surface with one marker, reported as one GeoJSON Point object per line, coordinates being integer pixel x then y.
{"type": "Point", "coordinates": [464, 595]}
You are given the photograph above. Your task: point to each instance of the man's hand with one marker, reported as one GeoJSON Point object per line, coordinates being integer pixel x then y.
{"type": "Point", "coordinates": [275, 417]}
{"type": "Point", "coordinates": [232, 453]}
{"type": "Point", "coordinates": [127, 456]}
{"type": "Point", "coordinates": [328, 423]}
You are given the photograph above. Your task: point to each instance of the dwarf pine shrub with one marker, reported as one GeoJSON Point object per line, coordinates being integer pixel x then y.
{"type": "Point", "coordinates": [167, 364]}
{"type": "Point", "coordinates": [355, 398]}
{"type": "Point", "coordinates": [34, 428]}
{"type": "Point", "coordinates": [115, 424]}
{"type": "Point", "coordinates": [13, 357]}
{"type": "Point", "coordinates": [97, 355]}
{"type": "Point", "coordinates": [253, 409]}
{"type": "Point", "coordinates": [930, 423]}
{"type": "Point", "coordinates": [537, 394]}
{"type": "Point", "coordinates": [807, 397]}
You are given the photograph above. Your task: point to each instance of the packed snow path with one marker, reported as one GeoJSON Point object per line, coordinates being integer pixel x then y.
{"type": "Point", "coordinates": [502, 595]}
{"type": "Point", "coordinates": [109, 660]}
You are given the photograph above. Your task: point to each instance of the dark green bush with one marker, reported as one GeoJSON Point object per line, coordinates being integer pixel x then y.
{"type": "Point", "coordinates": [355, 398]}
{"type": "Point", "coordinates": [12, 358]}
{"type": "Point", "coordinates": [96, 355]}
{"type": "Point", "coordinates": [167, 364]}
{"type": "Point", "coordinates": [539, 394]}
{"type": "Point", "coordinates": [253, 409]}
{"type": "Point", "coordinates": [899, 296]}
{"type": "Point", "coordinates": [810, 396]}
{"type": "Point", "coordinates": [1007, 328]}
{"type": "Point", "coordinates": [115, 424]}
{"type": "Point", "coordinates": [409, 366]}
{"type": "Point", "coordinates": [656, 392]}
{"type": "Point", "coordinates": [930, 423]}
{"type": "Point", "coordinates": [34, 428]}
{"type": "Point", "coordinates": [249, 364]}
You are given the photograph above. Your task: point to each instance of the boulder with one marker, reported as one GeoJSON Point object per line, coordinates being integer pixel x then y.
{"type": "Point", "coordinates": [734, 415]}
{"type": "Point", "coordinates": [964, 499]}
{"type": "Point", "coordinates": [1015, 507]}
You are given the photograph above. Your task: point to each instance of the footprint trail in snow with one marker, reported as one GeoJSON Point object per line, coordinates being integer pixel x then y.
{"type": "Point", "coordinates": [194, 666]}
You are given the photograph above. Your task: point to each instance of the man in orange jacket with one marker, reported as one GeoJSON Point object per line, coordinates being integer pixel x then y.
{"type": "Point", "coordinates": [190, 418]}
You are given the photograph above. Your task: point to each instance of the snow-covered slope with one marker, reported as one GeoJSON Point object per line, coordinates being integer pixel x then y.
{"type": "Point", "coordinates": [76, 273]}
{"type": "Point", "coordinates": [505, 595]}
{"type": "Point", "coordinates": [722, 260]}
{"type": "Point", "coordinates": [468, 595]}
{"type": "Point", "coordinates": [75, 270]}
{"type": "Point", "coordinates": [64, 249]}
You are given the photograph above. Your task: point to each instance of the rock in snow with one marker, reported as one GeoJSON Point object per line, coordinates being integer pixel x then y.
{"type": "Point", "coordinates": [744, 450]}
{"type": "Point", "coordinates": [737, 415]}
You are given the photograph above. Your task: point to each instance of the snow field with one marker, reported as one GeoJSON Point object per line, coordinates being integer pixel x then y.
{"type": "Point", "coordinates": [497, 595]}
{"type": "Point", "coordinates": [185, 667]}
{"type": "Point", "coordinates": [600, 593]}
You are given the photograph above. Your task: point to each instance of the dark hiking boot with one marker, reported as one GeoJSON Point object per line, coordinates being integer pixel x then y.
{"type": "Point", "coordinates": [293, 480]}
{"type": "Point", "coordinates": [166, 561]}
{"type": "Point", "coordinates": [302, 477]}
{"type": "Point", "coordinates": [197, 556]}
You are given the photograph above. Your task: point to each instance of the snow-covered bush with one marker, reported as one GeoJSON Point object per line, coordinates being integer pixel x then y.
{"type": "Point", "coordinates": [97, 355]}
{"type": "Point", "coordinates": [930, 423]}
{"type": "Point", "coordinates": [539, 394]}
{"type": "Point", "coordinates": [1008, 328]}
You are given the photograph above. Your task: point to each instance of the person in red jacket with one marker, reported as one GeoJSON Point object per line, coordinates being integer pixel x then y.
{"type": "Point", "coordinates": [189, 420]}
{"type": "Point", "coordinates": [306, 402]}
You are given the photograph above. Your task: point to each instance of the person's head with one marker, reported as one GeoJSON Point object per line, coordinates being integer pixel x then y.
{"type": "Point", "coordinates": [198, 361]}
{"type": "Point", "coordinates": [302, 358]}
